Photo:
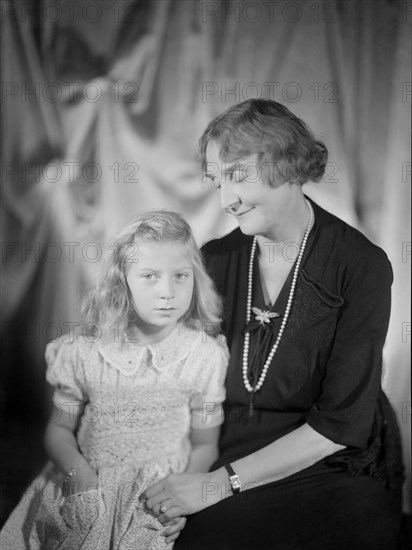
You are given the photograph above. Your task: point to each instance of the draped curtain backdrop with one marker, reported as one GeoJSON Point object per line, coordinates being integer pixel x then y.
{"type": "Point", "coordinates": [102, 107]}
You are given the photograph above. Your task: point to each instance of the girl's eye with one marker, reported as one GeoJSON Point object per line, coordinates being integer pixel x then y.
{"type": "Point", "coordinates": [148, 276]}
{"type": "Point", "coordinates": [181, 276]}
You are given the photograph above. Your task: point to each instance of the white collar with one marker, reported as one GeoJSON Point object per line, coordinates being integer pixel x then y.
{"type": "Point", "coordinates": [127, 357]}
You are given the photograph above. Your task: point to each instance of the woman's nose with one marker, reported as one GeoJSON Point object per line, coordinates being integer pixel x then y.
{"type": "Point", "coordinates": [228, 200]}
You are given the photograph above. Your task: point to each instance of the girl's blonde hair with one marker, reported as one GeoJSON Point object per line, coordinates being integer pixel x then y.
{"type": "Point", "coordinates": [110, 305]}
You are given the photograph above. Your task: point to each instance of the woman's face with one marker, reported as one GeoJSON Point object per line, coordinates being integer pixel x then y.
{"type": "Point", "coordinates": [246, 194]}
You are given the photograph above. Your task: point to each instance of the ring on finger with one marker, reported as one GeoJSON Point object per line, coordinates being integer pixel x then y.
{"type": "Point", "coordinates": [162, 508]}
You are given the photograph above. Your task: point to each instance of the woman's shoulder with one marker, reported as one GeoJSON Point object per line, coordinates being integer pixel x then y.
{"type": "Point", "coordinates": [339, 242]}
{"type": "Point", "coordinates": [228, 244]}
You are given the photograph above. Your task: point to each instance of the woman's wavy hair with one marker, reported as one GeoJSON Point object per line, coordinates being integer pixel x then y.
{"type": "Point", "coordinates": [286, 148]}
{"type": "Point", "coordinates": [110, 304]}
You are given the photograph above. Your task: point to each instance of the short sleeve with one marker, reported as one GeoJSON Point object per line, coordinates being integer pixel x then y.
{"type": "Point", "coordinates": [208, 394]}
{"type": "Point", "coordinates": [65, 371]}
{"type": "Point", "coordinates": [345, 409]}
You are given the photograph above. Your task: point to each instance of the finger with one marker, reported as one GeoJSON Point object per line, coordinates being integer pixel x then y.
{"type": "Point", "coordinates": [153, 490]}
{"type": "Point", "coordinates": [174, 512]}
{"type": "Point", "coordinates": [153, 502]}
{"type": "Point", "coordinates": [165, 505]}
{"type": "Point", "coordinates": [174, 527]}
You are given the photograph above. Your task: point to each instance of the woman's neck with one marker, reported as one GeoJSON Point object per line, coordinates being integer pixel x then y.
{"type": "Point", "coordinates": [289, 230]}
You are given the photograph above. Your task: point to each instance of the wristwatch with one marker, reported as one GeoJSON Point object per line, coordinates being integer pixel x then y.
{"type": "Point", "coordinates": [234, 480]}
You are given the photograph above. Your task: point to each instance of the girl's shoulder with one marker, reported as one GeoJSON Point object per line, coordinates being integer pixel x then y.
{"type": "Point", "coordinates": [70, 347]}
{"type": "Point", "coordinates": [200, 339]}
{"type": "Point", "coordinates": [205, 350]}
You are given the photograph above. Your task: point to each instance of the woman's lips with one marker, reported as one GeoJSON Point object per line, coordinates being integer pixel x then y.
{"type": "Point", "coordinates": [243, 213]}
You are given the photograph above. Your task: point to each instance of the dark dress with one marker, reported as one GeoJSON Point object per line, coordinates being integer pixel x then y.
{"type": "Point", "coordinates": [327, 373]}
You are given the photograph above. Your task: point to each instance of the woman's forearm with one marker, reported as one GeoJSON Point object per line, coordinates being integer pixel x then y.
{"type": "Point", "coordinates": [192, 492]}
{"type": "Point", "coordinates": [286, 456]}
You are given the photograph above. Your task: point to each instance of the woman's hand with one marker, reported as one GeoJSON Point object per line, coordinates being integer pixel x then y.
{"type": "Point", "coordinates": [182, 494]}
{"type": "Point", "coordinates": [173, 529]}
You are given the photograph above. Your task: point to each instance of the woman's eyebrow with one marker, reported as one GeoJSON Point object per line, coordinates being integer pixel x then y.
{"type": "Point", "coordinates": [237, 165]}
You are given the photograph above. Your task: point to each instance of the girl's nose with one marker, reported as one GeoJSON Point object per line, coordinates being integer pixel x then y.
{"type": "Point", "coordinates": [166, 291]}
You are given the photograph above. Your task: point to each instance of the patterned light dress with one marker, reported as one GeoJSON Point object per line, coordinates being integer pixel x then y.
{"type": "Point", "coordinates": [140, 403]}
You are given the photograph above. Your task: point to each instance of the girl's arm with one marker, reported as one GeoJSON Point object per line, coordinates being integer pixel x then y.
{"type": "Point", "coordinates": [204, 453]}
{"type": "Point", "coordinates": [61, 446]}
{"type": "Point", "coordinates": [204, 449]}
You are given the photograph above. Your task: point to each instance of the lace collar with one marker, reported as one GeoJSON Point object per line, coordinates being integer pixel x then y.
{"type": "Point", "coordinates": [128, 357]}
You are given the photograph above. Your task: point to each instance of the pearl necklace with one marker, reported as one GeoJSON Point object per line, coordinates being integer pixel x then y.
{"type": "Point", "coordinates": [262, 377]}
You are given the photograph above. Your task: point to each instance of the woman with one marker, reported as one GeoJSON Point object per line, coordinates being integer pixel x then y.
{"type": "Point", "coordinates": [309, 451]}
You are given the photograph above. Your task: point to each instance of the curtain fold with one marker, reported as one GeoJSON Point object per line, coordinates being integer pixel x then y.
{"type": "Point", "coordinates": [121, 96]}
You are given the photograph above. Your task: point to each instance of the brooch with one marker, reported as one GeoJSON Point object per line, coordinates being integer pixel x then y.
{"type": "Point", "coordinates": [264, 316]}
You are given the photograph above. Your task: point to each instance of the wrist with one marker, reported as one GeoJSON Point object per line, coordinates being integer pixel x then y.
{"type": "Point", "coordinates": [80, 478]}
{"type": "Point", "coordinates": [218, 486]}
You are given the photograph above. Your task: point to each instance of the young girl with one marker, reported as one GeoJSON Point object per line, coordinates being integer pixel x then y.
{"type": "Point", "coordinates": [137, 396]}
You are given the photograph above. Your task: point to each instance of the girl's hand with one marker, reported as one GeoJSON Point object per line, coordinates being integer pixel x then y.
{"type": "Point", "coordinates": [80, 511]}
{"type": "Point", "coordinates": [182, 494]}
{"type": "Point", "coordinates": [173, 529]}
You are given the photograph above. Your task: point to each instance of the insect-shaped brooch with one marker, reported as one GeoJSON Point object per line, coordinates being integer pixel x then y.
{"type": "Point", "coordinates": [264, 316]}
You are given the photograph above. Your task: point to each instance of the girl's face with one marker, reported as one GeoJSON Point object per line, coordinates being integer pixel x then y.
{"type": "Point", "coordinates": [244, 192]}
{"type": "Point", "coordinates": [161, 281]}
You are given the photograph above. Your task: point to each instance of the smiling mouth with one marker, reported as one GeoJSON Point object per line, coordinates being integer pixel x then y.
{"type": "Point", "coordinates": [243, 213]}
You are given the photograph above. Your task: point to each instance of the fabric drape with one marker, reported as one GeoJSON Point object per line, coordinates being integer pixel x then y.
{"type": "Point", "coordinates": [103, 104]}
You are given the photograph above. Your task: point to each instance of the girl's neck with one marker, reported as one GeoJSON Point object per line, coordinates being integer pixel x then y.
{"type": "Point", "coordinates": [146, 336]}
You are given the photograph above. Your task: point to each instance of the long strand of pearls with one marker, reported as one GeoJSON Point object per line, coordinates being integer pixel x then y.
{"type": "Point", "coordinates": [265, 369]}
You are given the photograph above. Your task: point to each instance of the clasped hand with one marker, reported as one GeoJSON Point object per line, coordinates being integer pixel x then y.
{"type": "Point", "coordinates": [176, 496]}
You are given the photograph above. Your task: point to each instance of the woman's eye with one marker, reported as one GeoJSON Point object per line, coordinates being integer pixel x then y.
{"type": "Point", "coordinates": [181, 276]}
{"type": "Point", "coordinates": [238, 176]}
{"type": "Point", "coordinates": [148, 276]}
{"type": "Point", "coordinates": [212, 181]}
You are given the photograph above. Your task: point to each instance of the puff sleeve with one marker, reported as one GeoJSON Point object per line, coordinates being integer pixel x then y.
{"type": "Point", "coordinates": [211, 360]}
{"type": "Point", "coordinates": [65, 371]}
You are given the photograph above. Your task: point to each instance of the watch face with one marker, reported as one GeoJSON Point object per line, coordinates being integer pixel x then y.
{"type": "Point", "coordinates": [235, 483]}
